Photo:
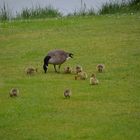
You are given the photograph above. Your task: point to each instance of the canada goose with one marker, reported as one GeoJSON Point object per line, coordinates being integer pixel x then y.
{"type": "Point", "coordinates": [100, 67]}
{"type": "Point", "coordinates": [78, 69]}
{"type": "Point", "coordinates": [81, 75]}
{"type": "Point", "coordinates": [56, 57]}
{"type": "Point", "coordinates": [31, 70]}
{"type": "Point", "coordinates": [67, 70]}
{"type": "Point", "coordinates": [93, 80]}
{"type": "Point", "coordinates": [14, 92]}
{"type": "Point", "coordinates": [67, 93]}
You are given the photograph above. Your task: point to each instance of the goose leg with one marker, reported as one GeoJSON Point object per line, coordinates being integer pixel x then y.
{"type": "Point", "coordinates": [55, 68]}
{"type": "Point", "coordinates": [59, 67]}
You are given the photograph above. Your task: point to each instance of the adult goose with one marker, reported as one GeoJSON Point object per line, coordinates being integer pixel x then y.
{"type": "Point", "coordinates": [56, 57]}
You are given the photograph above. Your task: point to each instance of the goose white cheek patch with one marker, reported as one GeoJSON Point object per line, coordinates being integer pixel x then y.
{"type": "Point", "coordinates": [68, 58]}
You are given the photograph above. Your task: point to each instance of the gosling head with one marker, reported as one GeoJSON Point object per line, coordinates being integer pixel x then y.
{"type": "Point", "coordinates": [93, 75]}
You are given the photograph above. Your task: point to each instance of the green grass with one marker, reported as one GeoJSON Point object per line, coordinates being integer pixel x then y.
{"type": "Point", "coordinates": [109, 111]}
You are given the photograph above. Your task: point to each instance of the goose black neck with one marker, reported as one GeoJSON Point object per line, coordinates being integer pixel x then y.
{"type": "Point", "coordinates": [46, 60]}
{"type": "Point", "coordinates": [71, 55]}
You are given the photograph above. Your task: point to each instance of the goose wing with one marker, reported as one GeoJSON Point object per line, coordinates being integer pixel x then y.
{"type": "Point", "coordinates": [57, 56]}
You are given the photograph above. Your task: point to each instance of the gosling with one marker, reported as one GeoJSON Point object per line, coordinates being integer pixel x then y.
{"type": "Point", "coordinates": [31, 71]}
{"type": "Point", "coordinates": [14, 92]}
{"type": "Point", "coordinates": [100, 67]}
{"type": "Point", "coordinates": [67, 93]}
{"type": "Point", "coordinates": [81, 76]}
{"type": "Point", "coordinates": [67, 70]}
{"type": "Point", "coordinates": [78, 69]}
{"type": "Point", "coordinates": [93, 80]}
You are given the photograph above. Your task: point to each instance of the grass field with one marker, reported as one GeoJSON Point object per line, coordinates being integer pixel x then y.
{"type": "Point", "coordinates": [108, 111]}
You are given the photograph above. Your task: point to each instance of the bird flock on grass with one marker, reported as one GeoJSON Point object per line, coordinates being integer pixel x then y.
{"type": "Point", "coordinates": [57, 58]}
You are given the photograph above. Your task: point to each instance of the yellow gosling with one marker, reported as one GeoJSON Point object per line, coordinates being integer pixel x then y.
{"type": "Point", "coordinates": [81, 76]}
{"type": "Point", "coordinates": [67, 93]}
{"type": "Point", "coordinates": [14, 92]}
{"type": "Point", "coordinates": [67, 70]}
{"type": "Point", "coordinates": [78, 69]}
{"type": "Point", "coordinates": [31, 71]}
{"type": "Point", "coordinates": [93, 80]}
{"type": "Point", "coordinates": [100, 67]}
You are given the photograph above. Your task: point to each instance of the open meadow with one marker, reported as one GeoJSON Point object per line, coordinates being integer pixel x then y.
{"type": "Point", "coordinates": [108, 111]}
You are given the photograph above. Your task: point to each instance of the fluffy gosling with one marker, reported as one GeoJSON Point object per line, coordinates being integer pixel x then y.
{"type": "Point", "coordinates": [93, 80]}
{"type": "Point", "coordinates": [31, 71]}
{"type": "Point", "coordinates": [100, 67]}
{"type": "Point", "coordinates": [67, 70]}
{"type": "Point", "coordinates": [78, 69]}
{"type": "Point", "coordinates": [67, 93]}
{"type": "Point", "coordinates": [81, 75]}
{"type": "Point", "coordinates": [14, 92]}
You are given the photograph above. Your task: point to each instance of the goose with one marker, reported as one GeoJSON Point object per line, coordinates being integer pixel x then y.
{"type": "Point", "coordinates": [56, 57]}
{"type": "Point", "coordinates": [14, 92]}
{"type": "Point", "coordinates": [94, 80]}
{"type": "Point", "coordinates": [100, 67]}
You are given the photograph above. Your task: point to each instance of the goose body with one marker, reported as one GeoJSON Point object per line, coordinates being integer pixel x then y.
{"type": "Point", "coordinates": [56, 57]}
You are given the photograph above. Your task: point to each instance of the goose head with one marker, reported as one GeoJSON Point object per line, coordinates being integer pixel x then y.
{"type": "Point", "coordinates": [71, 55]}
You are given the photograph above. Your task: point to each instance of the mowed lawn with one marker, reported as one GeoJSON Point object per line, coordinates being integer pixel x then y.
{"type": "Point", "coordinates": [108, 111]}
